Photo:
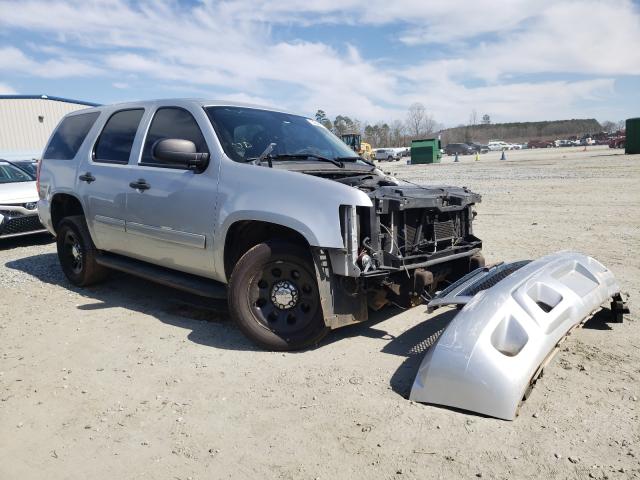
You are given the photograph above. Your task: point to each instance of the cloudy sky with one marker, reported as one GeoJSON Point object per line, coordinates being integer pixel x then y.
{"type": "Point", "coordinates": [515, 60]}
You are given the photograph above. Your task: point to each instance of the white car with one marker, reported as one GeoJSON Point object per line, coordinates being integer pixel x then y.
{"type": "Point", "coordinates": [498, 145]}
{"type": "Point", "coordinates": [389, 154]}
{"type": "Point", "coordinates": [18, 202]}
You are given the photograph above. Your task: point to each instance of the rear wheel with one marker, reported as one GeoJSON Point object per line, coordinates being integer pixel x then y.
{"type": "Point", "coordinates": [274, 297]}
{"type": "Point", "coordinates": [77, 252]}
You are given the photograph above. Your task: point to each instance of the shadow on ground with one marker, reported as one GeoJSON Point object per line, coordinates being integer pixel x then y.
{"type": "Point", "coordinates": [413, 344]}
{"type": "Point", "coordinates": [26, 241]}
{"type": "Point", "coordinates": [207, 319]}
{"type": "Point", "coordinates": [600, 320]}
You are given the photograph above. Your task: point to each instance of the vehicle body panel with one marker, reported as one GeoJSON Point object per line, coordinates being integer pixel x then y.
{"type": "Point", "coordinates": [492, 350]}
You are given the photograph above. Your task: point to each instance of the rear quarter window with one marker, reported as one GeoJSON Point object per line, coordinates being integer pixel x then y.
{"type": "Point", "coordinates": [68, 137]}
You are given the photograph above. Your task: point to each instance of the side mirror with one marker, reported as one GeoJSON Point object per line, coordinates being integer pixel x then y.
{"type": "Point", "coordinates": [179, 152]}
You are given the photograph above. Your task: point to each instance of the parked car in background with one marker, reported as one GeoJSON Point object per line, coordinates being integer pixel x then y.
{"type": "Point", "coordinates": [540, 144]}
{"type": "Point", "coordinates": [30, 166]}
{"type": "Point", "coordinates": [479, 148]}
{"type": "Point", "coordinates": [404, 151]}
{"type": "Point", "coordinates": [388, 154]}
{"type": "Point", "coordinates": [617, 142]}
{"type": "Point", "coordinates": [497, 145]}
{"type": "Point", "coordinates": [458, 148]}
{"type": "Point", "coordinates": [18, 202]}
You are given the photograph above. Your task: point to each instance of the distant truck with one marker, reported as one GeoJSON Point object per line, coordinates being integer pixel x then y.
{"type": "Point", "coordinates": [617, 142]}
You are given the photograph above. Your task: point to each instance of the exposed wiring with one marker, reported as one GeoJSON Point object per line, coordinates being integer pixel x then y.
{"type": "Point", "coordinates": [391, 237]}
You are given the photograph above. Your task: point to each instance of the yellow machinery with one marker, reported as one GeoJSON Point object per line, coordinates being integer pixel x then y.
{"type": "Point", "coordinates": [354, 140]}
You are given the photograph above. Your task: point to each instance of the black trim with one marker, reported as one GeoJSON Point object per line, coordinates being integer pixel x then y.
{"type": "Point", "coordinates": [172, 166]}
{"type": "Point", "coordinates": [48, 97]}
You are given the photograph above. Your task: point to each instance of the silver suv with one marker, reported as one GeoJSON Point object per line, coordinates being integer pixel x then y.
{"type": "Point", "coordinates": [262, 207]}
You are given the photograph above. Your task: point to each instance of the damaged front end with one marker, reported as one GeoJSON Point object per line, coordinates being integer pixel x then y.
{"type": "Point", "coordinates": [512, 318]}
{"type": "Point", "coordinates": [409, 241]}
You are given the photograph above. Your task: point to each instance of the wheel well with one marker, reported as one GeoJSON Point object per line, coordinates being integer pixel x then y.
{"type": "Point", "coordinates": [245, 234]}
{"type": "Point", "coordinates": [63, 205]}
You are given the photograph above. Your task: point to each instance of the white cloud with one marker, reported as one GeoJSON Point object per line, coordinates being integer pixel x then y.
{"type": "Point", "coordinates": [6, 89]}
{"type": "Point", "coordinates": [14, 60]}
{"type": "Point", "coordinates": [230, 47]}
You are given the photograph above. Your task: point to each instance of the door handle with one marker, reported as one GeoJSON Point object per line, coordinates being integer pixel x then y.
{"type": "Point", "coordinates": [140, 184]}
{"type": "Point", "coordinates": [87, 177]}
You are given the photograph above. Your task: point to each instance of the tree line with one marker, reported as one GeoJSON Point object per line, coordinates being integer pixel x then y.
{"type": "Point", "coordinates": [419, 124]}
{"type": "Point", "coordinates": [397, 133]}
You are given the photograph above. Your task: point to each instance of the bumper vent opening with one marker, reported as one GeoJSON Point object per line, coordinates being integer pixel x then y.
{"type": "Point", "coordinates": [509, 338]}
{"type": "Point", "coordinates": [544, 297]}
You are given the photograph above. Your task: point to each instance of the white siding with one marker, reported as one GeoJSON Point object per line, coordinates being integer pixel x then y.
{"type": "Point", "coordinates": [20, 128]}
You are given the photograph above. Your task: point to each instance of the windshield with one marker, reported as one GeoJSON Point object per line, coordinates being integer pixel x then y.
{"type": "Point", "coordinates": [29, 166]}
{"type": "Point", "coordinates": [245, 133]}
{"type": "Point", "coordinates": [11, 174]}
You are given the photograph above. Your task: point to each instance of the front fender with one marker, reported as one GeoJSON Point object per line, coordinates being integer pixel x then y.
{"type": "Point", "coordinates": [307, 204]}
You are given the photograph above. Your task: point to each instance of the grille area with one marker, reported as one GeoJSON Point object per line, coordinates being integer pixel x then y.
{"type": "Point", "coordinates": [20, 224]}
{"type": "Point", "coordinates": [443, 230]}
{"type": "Point", "coordinates": [499, 273]}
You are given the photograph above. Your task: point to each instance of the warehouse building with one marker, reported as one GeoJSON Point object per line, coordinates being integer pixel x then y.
{"type": "Point", "coordinates": [26, 122]}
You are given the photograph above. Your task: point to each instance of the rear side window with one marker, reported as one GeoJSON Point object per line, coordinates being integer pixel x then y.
{"type": "Point", "coordinates": [115, 142]}
{"type": "Point", "coordinates": [172, 122]}
{"type": "Point", "coordinates": [69, 135]}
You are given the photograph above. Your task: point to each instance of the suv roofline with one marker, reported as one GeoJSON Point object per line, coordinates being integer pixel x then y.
{"type": "Point", "coordinates": [181, 102]}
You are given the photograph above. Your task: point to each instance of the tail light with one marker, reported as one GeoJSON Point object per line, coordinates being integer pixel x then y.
{"type": "Point", "coordinates": [38, 168]}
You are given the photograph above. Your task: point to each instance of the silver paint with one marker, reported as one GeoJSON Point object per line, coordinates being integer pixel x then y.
{"type": "Point", "coordinates": [486, 358]}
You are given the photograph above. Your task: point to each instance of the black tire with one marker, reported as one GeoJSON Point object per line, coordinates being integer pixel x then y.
{"type": "Point", "coordinates": [77, 252]}
{"type": "Point", "coordinates": [270, 268]}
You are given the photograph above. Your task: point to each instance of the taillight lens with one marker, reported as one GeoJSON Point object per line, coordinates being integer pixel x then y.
{"type": "Point", "coordinates": [38, 168]}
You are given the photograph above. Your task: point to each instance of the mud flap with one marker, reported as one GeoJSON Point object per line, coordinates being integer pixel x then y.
{"type": "Point", "coordinates": [512, 319]}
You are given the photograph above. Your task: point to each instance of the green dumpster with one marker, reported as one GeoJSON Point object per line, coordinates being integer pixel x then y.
{"type": "Point", "coordinates": [425, 151]}
{"type": "Point", "coordinates": [632, 142]}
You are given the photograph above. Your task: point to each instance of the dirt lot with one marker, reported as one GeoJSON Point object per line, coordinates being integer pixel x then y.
{"type": "Point", "coordinates": [131, 380]}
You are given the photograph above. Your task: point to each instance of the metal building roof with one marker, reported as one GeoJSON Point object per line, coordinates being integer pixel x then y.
{"type": "Point", "coordinates": [48, 97]}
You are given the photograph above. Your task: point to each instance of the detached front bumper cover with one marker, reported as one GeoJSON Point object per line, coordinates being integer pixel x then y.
{"type": "Point", "coordinates": [514, 316]}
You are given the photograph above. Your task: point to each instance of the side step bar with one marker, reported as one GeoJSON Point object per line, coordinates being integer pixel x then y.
{"type": "Point", "coordinates": [194, 284]}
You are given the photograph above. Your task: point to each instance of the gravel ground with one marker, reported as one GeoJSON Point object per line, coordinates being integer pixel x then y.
{"type": "Point", "coordinates": [131, 380]}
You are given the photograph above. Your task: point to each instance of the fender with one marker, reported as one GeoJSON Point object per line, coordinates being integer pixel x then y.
{"type": "Point", "coordinates": [304, 203]}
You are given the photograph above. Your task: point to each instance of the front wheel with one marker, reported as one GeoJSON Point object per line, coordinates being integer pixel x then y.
{"type": "Point", "coordinates": [274, 297]}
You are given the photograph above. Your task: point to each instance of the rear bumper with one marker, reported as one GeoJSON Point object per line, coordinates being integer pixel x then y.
{"type": "Point", "coordinates": [491, 353]}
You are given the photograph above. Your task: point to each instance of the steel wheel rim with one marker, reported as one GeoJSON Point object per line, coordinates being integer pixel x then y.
{"type": "Point", "coordinates": [276, 311]}
{"type": "Point", "coordinates": [73, 252]}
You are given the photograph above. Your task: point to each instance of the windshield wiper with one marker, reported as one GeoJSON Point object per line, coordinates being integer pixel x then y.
{"type": "Point", "coordinates": [355, 158]}
{"type": "Point", "coordinates": [266, 155]}
{"type": "Point", "coordinates": [337, 161]}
